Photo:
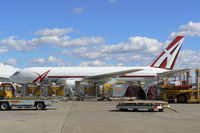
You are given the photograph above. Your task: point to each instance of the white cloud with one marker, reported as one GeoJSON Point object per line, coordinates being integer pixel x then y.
{"type": "Point", "coordinates": [12, 43]}
{"type": "Point", "coordinates": [38, 61]}
{"type": "Point", "coordinates": [143, 44]}
{"type": "Point", "coordinates": [93, 63]}
{"type": "Point", "coordinates": [84, 41]}
{"type": "Point", "coordinates": [44, 40]}
{"type": "Point", "coordinates": [188, 59]}
{"type": "Point", "coordinates": [191, 29]}
{"type": "Point", "coordinates": [84, 64]}
{"type": "Point", "coordinates": [136, 49]}
{"type": "Point", "coordinates": [11, 61]}
{"type": "Point", "coordinates": [3, 49]}
{"type": "Point", "coordinates": [98, 63]}
{"type": "Point", "coordinates": [120, 64]}
{"type": "Point", "coordinates": [64, 64]}
{"type": "Point", "coordinates": [55, 37]}
{"type": "Point", "coordinates": [112, 1]}
{"type": "Point", "coordinates": [53, 32]}
{"type": "Point", "coordinates": [78, 10]}
{"type": "Point", "coordinates": [18, 45]}
{"type": "Point", "coordinates": [51, 60]}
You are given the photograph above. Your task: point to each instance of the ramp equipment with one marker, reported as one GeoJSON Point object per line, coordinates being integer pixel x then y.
{"type": "Point", "coordinates": [135, 105]}
{"type": "Point", "coordinates": [39, 104]}
{"type": "Point", "coordinates": [182, 91]}
{"type": "Point", "coordinates": [8, 102]}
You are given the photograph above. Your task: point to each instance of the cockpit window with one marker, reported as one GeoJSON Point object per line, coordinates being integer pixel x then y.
{"type": "Point", "coordinates": [16, 73]}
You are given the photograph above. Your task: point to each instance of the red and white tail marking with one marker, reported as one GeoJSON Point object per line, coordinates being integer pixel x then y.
{"type": "Point", "coordinates": [168, 57]}
{"type": "Point", "coordinates": [41, 77]}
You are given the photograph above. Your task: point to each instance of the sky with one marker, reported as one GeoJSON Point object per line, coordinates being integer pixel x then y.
{"type": "Point", "coordinates": [97, 32]}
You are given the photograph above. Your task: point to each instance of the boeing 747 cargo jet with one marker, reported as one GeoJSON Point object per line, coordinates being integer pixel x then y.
{"type": "Point", "coordinates": [163, 63]}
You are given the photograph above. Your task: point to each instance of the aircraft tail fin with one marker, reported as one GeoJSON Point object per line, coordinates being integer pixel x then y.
{"type": "Point", "coordinates": [168, 56]}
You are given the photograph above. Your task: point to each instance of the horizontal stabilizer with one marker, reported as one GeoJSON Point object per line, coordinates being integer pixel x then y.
{"type": "Point", "coordinates": [172, 73]}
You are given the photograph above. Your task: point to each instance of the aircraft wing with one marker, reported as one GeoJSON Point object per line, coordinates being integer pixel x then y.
{"type": "Point", "coordinates": [172, 73]}
{"type": "Point", "coordinates": [112, 74]}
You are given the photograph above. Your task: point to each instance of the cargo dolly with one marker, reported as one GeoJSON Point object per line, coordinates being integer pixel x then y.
{"type": "Point", "coordinates": [38, 103]}
{"type": "Point", "coordinates": [135, 105]}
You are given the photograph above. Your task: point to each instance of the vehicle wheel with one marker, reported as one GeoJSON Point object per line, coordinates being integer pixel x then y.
{"type": "Point", "coordinates": [123, 109]}
{"type": "Point", "coordinates": [5, 106]}
{"type": "Point", "coordinates": [40, 106]}
{"type": "Point", "coordinates": [135, 110]}
{"type": "Point", "coordinates": [151, 110]}
{"type": "Point", "coordinates": [109, 99]}
{"type": "Point", "coordinates": [160, 110]}
{"type": "Point", "coordinates": [182, 99]}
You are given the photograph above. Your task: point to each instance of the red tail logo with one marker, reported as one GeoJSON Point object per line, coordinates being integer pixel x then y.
{"type": "Point", "coordinates": [168, 57]}
{"type": "Point", "coordinates": [41, 77]}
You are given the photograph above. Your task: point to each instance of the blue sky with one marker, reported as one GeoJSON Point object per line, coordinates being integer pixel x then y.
{"type": "Point", "coordinates": [93, 32]}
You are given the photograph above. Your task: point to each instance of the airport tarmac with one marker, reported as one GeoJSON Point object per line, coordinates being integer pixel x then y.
{"type": "Point", "coordinates": [99, 117]}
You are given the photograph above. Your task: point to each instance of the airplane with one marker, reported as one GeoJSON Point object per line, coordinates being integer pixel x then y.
{"type": "Point", "coordinates": [163, 63]}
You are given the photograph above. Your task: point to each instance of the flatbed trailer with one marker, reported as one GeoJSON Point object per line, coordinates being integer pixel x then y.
{"type": "Point", "coordinates": [38, 103]}
{"type": "Point", "coordinates": [135, 105]}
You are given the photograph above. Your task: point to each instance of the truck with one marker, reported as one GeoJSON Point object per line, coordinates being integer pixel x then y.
{"type": "Point", "coordinates": [8, 99]}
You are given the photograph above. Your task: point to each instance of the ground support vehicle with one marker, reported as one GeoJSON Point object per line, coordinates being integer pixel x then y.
{"type": "Point", "coordinates": [135, 105]}
{"type": "Point", "coordinates": [179, 94]}
{"type": "Point", "coordinates": [38, 103]}
{"type": "Point", "coordinates": [175, 87]}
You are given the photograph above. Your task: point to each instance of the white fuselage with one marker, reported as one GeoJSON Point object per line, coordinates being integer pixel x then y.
{"type": "Point", "coordinates": [39, 74]}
